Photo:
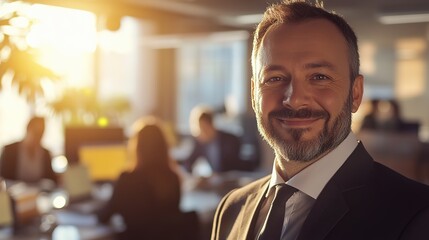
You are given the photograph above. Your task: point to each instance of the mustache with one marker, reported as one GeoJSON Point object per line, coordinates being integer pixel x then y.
{"type": "Point", "coordinates": [301, 113]}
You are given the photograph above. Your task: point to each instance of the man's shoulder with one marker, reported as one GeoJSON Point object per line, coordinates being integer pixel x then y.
{"type": "Point", "coordinates": [228, 139]}
{"type": "Point", "coordinates": [10, 148]}
{"type": "Point", "coordinates": [226, 134]}
{"type": "Point", "coordinates": [389, 179]}
{"type": "Point", "coordinates": [12, 145]}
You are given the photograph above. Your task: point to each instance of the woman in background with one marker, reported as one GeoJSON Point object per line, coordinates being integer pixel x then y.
{"type": "Point", "coordinates": [147, 197]}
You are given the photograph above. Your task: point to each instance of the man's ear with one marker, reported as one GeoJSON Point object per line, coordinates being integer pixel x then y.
{"type": "Point", "coordinates": [357, 92]}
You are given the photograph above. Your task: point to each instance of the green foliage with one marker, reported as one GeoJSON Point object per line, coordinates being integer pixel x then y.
{"type": "Point", "coordinates": [80, 106]}
{"type": "Point", "coordinates": [20, 70]}
{"type": "Point", "coordinates": [17, 59]}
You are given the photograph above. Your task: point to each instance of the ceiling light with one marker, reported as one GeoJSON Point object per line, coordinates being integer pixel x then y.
{"type": "Point", "coordinates": [241, 20]}
{"type": "Point", "coordinates": [404, 18]}
{"type": "Point", "coordinates": [248, 19]}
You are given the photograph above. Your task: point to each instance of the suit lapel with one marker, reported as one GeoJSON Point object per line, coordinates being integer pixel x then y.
{"type": "Point", "coordinates": [330, 207]}
{"type": "Point", "coordinates": [251, 210]}
{"type": "Point", "coordinates": [327, 211]}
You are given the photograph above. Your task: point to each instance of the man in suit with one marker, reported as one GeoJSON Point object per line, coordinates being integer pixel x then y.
{"type": "Point", "coordinates": [28, 160]}
{"type": "Point", "coordinates": [221, 149]}
{"type": "Point", "coordinates": [305, 87]}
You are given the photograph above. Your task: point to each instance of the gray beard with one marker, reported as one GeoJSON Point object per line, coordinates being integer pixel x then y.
{"type": "Point", "coordinates": [304, 151]}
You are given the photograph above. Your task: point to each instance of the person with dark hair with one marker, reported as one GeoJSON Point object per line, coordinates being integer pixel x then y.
{"type": "Point", "coordinates": [221, 149]}
{"type": "Point", "coordinates": [385, 115]}
{"type": "Point", "coordinates": [148, 196]}
{"type": "Point", "coordinates": [369, 122]}
{"type": "Point", "coordinates": [324, 184]}
{"type": "Point", "coordinates": [28, 160]}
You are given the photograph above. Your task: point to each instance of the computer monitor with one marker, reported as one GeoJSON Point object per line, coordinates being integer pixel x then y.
{"type": "Point", "coordinates": [105, 162]}
{"type": "Point", "coordinates": [76, 137]}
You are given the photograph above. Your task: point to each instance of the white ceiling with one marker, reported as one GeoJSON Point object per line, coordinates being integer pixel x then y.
{"type": "Point", "coordinates": [236, 7]}
{"type": "Point", "coordinates": [225, 11]}
{"type": "Point", "coordinates": [240, 7]}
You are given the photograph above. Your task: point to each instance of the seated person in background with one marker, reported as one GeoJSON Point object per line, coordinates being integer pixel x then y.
{"type": "Point", "coordinates": [28, 160]}
{"type": "Point", "coordinates": [385, 115]}
{"type": "Point", "coordinates": [147, 197]}
{"type": "Point", "coordinates": [221, 149]}
{"type": "Point", "coordinates": [370, 120]}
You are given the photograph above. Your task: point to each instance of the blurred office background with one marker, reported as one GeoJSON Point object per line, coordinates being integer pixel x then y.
{"type": "Point", "coordinates": [119, 60]}
{"type": "Point", "coordinates": [115, 61]}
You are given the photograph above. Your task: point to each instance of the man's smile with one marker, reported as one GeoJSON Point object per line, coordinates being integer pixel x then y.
{"type": "Point", "coordinates": [298, 122]}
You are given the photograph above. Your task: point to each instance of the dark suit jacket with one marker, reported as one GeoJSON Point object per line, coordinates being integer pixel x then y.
{"type": "Point", "coordinates": [229, 152]}
{"type": "Point", "coordinates": [363, 200]}
{"type": "Point", "coordinates": [9, 163]}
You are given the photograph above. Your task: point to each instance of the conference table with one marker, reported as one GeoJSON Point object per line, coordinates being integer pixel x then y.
{"type": "Point", "coordinates": [74, 222]}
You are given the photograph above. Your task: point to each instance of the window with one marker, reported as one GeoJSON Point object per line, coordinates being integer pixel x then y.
{"type": "Point", "coordinates": [212, 73]}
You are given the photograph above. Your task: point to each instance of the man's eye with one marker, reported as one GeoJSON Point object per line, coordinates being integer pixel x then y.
{"type": "Point", "coordinates": [273, 80]}
{"type": "Point", "coordinates": [320, 77]}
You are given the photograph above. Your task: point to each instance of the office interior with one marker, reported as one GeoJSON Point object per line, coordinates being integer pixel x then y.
{"type": "Point", "coordinates": [115, 61]}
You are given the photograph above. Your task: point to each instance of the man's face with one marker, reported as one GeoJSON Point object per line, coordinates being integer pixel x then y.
{"type": "Point", "coordinates": [301, 92]}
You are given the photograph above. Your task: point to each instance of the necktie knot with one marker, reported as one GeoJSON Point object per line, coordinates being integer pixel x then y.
{"type": "Point", "coordinates": [284, 191]}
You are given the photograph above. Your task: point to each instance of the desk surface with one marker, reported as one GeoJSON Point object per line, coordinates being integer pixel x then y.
{"type": "Point", "coordinates": [69, 225]}
{"type": "Point", "coordinates": [78, 225]}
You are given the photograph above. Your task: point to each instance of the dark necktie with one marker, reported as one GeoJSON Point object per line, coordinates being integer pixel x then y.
{"type": "Point", "coordinates": [272, 228]}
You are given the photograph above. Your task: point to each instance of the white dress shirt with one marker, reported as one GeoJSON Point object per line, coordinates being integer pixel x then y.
{"type": "Point", "coordinates": [30, 166]}
{"type": "Point", "coordinates": [310, 182]}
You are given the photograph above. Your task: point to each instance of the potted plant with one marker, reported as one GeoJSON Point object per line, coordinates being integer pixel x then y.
{"type": "Point", "coordinates": [80, 106]}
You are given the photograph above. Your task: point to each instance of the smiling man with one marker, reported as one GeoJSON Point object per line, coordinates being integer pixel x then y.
{"type": "Point", "coordinates": [305, 87]}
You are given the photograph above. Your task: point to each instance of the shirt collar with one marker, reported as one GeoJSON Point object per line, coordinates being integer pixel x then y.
{"type": "Point", "coordinates": [312, 179]}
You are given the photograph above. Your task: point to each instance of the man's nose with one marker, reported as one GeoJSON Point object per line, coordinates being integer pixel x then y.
{"type": "Point", "coordinates": [297, 95]}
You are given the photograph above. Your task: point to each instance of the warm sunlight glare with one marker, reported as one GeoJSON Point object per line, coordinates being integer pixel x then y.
{"type": "Point", "coordinates": [62, 29]}
{"type": "Point", "coordinates": [66, 40]}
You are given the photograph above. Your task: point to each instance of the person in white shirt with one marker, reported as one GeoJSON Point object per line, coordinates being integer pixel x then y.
{"type": "Point", "coordinates": [28, 160]}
